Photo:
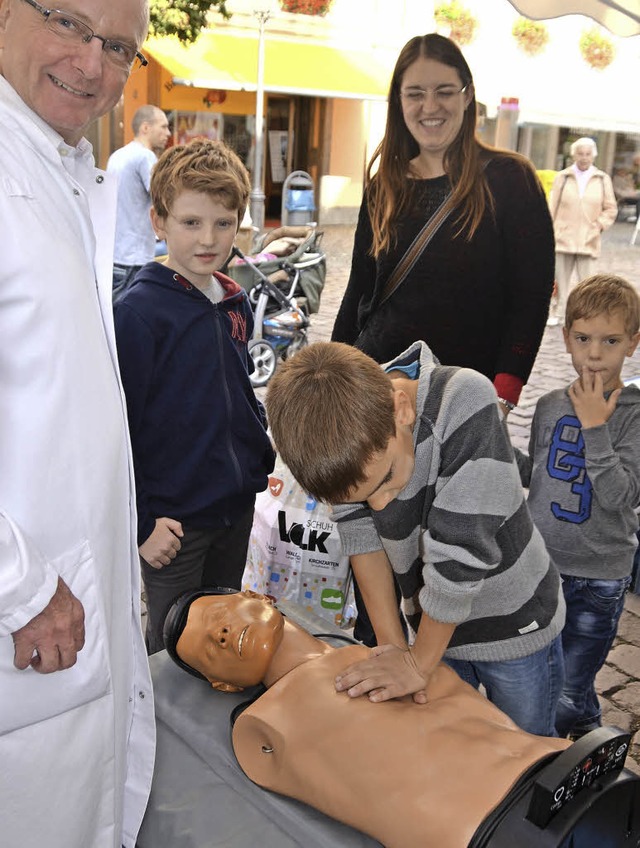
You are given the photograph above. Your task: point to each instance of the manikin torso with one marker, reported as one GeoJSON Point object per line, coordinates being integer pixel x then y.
{"type": "Point", "coordinates": [411, 776]}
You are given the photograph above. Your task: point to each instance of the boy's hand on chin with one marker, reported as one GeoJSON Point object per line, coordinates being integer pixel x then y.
{"type": "Point", "coordinates": [390, 672]}
{"type": "Point", "coordinates": [589, 403]}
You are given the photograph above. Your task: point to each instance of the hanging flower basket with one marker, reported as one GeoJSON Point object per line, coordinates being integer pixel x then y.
{"type": "Point", "coordinates": [460, 22]}
{"type": "Point", "coordinates": [530, 36]}
{"type": "Point", "coordinates": [597, 50]}
{"type": "Point", "coordinates": [306, 7]}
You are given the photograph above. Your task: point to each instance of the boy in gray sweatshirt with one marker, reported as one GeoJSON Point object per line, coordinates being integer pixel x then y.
{"type": "Point", "coordinates": [583, 474]}
{"type": "Point", "coordinates": [418, 466]}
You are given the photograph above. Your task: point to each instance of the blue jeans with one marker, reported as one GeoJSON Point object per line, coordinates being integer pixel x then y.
{"type": "Point", "coordinates": [635, 573]}
{"type": "Point", "coordinates": [594, 608]}
{"type": "Point", "coordinates": [526, 689]}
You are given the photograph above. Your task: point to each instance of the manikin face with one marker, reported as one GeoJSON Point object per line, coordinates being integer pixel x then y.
{"type": "Point", "coordinates": [389, 471]}
{"type": "Point", "coordinates": [433, 105]}
{"type": "Point", "coordinates": [600, 344]}
{"type": "Point", "coordinates": [67, 83]}
{"type": "Point", "coordinates": [200, 232]}
{"type": "Point", "coordinates": [231, 639]}
{"type": "Point", "coordinates": [583, 156]}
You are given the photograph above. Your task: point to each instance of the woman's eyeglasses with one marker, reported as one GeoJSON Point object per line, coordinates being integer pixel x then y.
{"type": "Point", "coordinates": [441, 94]}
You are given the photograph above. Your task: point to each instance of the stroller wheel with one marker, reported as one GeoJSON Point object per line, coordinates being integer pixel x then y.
{"type": "Point", "coordinates": [265, 360]}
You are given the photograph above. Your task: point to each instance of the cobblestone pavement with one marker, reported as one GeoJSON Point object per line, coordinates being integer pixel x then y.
{"type": "Point", "coordinates": [619, 680]}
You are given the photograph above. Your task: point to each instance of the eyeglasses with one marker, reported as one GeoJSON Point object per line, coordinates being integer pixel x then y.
{"type": "Point", "coordinates": [120, 54]}
{"type": "Point", "coordinates": [441, 93]}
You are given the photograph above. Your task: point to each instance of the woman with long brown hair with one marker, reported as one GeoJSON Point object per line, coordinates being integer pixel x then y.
{"type": "Point", "coordinates": [478, 293]}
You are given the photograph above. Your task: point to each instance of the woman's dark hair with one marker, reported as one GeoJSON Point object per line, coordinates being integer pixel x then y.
{"type": "Point", "coordinates": [389, 190]}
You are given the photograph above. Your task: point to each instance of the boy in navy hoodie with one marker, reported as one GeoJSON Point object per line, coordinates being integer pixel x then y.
{"type": "Point", "coordinates": [200, 447]}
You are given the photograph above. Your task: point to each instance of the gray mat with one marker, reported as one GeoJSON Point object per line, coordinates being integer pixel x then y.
{"type": "Point", "coordinates": [200, 797]}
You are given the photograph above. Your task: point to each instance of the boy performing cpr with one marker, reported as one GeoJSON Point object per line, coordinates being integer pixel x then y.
{"type": "Point", "coordinates": [417, 462]}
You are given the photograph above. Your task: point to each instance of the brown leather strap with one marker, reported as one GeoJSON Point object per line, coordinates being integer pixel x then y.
{"type": "Point", "coordinates": [416, 248]}
{"type": "Point", "coordinates": [555, 211]}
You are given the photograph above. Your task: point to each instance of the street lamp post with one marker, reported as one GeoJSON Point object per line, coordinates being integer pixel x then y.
{"type": "Point", "coordinates": [257, 196]}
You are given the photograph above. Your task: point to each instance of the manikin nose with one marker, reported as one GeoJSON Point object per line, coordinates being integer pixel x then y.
{"type": "Point", "coordinates": [223, 635]}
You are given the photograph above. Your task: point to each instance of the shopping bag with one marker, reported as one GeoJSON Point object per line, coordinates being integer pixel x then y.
{"type": "Point", "coordinates": [295, 551]}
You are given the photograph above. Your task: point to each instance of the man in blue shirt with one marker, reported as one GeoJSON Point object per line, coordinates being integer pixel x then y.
{"type": "Point", "coordinates": [132, 164]}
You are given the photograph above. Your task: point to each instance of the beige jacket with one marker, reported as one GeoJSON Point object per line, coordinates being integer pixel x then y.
{"type": "Point", "coordinates": [579, 221]}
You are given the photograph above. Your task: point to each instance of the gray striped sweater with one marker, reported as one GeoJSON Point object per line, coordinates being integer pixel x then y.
{"type": "Point", "coordinates": [459, 536]}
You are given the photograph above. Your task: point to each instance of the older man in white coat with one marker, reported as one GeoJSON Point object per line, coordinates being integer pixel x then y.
{"type": "Point", "coordinates": [76, 711]}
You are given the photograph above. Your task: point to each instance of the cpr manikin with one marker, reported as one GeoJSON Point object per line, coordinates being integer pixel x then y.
{"type": "Point", "coordinates": [407, 774]}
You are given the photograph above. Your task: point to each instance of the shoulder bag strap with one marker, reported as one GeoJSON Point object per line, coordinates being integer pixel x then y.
{"type": "Point", "coordinates": [555, 211]}
{"type": "Point", "coordinates": [416, 248]}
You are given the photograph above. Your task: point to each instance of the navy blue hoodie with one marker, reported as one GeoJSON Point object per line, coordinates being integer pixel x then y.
{"type": "Point", "coordinates": [200, 448]}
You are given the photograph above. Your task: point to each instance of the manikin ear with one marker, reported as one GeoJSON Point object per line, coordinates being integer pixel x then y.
{"type": "Point", "coordinates": [405, 414]}
{"type": "Point", "coordinates": [225, 687]}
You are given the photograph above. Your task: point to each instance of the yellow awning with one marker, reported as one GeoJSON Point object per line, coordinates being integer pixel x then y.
{"type": "Point", "coordinates": [220, 60]}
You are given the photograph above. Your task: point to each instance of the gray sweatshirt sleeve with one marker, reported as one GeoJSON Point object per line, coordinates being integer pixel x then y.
{"type": "Point", "coordinates": [525, 461]}
{"type": "Point", "coordinates": [358, 534]}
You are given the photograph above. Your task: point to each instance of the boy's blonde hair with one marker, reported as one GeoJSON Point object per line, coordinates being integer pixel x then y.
{"type": "Point", "coordinates": [201, 165]}
{"type": "Point", "coordinates": [604, 293]}
{"type": "Point", "coordinates": [330, 409]}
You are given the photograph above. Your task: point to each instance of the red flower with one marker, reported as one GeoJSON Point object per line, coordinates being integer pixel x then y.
{"type": "Point", "coordinates": [306, 7]}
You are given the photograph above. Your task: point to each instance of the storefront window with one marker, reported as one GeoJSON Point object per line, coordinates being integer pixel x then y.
{"type": "Point", "coordinates": [235, 130]}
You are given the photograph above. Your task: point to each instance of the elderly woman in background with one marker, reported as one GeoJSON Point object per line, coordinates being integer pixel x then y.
{"type": "Point", "coordinates": [479, 292]}
{"type": "Point", "coordinates": [583, 205]}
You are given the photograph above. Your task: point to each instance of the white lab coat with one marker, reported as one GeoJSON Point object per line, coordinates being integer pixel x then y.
{"type": "Point", "coordinates": [76, 746]}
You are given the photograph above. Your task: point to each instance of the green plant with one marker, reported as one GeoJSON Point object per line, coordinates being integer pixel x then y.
{"type": "Point", "coordinates": [306, 7]}
{"type": "Point", "coordinates": [531, 36]}
{"type": "Point", "coordinates": [458, 19]}
{"type": "Point", "coordinates": [597, 50]}
{"type": "Point", "coordinates": [183, 18]}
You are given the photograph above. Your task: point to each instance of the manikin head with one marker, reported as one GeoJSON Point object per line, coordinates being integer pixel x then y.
{"type": "Point", "coordinates": [223, 636]}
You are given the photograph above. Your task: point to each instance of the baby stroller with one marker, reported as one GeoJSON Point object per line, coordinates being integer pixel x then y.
{"type": "Point", "coordinates": [284, 281]}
